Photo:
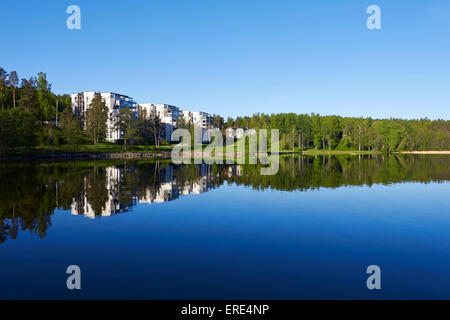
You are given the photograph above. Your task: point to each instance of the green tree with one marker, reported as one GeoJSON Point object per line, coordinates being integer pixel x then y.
{"type": "Point", "coordinates": [27, 99]}
{"type": "Point", "coordinates": [182, 122]}
{"type": "Point", "coordinates": [8, 130]}
{"type": "Point", "coordinates": [316, 130]}
{"type": "Point", "coordinates": [28, 128]}
{"type": "Point", "coordinates": [13, 81]}
{"type": "Point", "coordinates": [229, 123]}
{"type": "Point", "coordinates": [71, 126]}
{"type": "Point", "coordinates": [303, 124]}
{"type": "Point", "coordinates": [96, 117]}
{"type": "Point", "coordinates": [3, 84]}
{"type": "Point", "coordinates": [46, 101]}
{"type": "Point", "coordinates": [157, 127]}
{"type": "Point", "coordinates": [218, 121]}
{"type": "Point", "coordinates": [144, 133]}
{"type": "Point", "coordinates": [125, 122]}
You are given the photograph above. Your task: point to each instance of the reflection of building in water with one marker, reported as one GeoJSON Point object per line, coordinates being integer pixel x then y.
{"type": "Point", "coordinates": [235, 171]}
{"type": "Point", "coordinates": [166, 187]}
{"type": "Point", "coordinates": [81, 205]}
{"type": "Point", "coordinates": [162, 194]}
{"type": "Point", "coordinates": [195, 187]}
{"type": "Point", "coordinates": [170, 188]}
{"type": "Point", "coordinates": [111, 207]}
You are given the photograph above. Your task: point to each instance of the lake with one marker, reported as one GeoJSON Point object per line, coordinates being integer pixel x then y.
{"type": "Point", "coordinates": [153, 230]}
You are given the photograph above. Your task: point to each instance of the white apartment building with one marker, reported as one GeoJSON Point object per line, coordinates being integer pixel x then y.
{"type": "Point", "coordinates": [187, 115]}
{"type": "Point", "coordinates": [202, 121]}
{"type": "Point", "coordinates": [235, 133]}
{"type": "Point", "coordinates": [239, 133]}
{"type": "Point", "coordinates": [167, 114]}
{"type": "Point", "coordinates": [114, 102]}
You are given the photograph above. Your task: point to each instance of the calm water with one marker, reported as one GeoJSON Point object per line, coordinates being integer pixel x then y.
{"type": "Point", "coordinates": [151, 230]}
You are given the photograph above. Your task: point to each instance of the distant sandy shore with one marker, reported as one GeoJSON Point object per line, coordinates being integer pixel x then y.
{"type": "Point", "coordinates": [426, 152]}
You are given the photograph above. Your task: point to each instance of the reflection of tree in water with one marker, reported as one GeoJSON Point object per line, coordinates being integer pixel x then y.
{"type": "Point", "coordinates": [95, 188]}
{"type": "Point", "coordinates": [8, 229]}
{"type": "Point", "coordinates": [305, 173]}
{"type": "Point", "coordinates": [127, 185]}
{"type": "Point", "coordinates": [30, 192]}
{"type": "Point", "coordinates": [28, 196]}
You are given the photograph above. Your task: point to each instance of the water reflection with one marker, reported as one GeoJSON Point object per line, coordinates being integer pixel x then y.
{"type": "Point", "coordinates": [118, 188]}
{"type": "Point", "coordinates": [30, 192]}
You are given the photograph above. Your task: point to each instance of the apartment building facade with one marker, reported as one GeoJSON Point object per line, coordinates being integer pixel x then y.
{"type": "Point", "coordinates": [114, 102]}
{"type": "Point", "coordinates": [167, 114]}
{"type": "Point", "coordinates": [202, 122]}
{"type": "Point", "coordinates": [237, 133]}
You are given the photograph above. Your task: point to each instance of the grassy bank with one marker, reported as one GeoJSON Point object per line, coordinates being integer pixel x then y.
{"type": "Point", "coordinates": [338, 152]}
{"type": "Point", "coordinates": [108, 150]}
{"type": "Point", "coordinates": [426, 152]}
{"type": "Point", "coordinates": [100, 148]}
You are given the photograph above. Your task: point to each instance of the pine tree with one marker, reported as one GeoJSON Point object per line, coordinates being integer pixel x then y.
{"type": "Point", "coordinates": [3, 84]}
{"type": "Point", "coordinates": [13, 81]}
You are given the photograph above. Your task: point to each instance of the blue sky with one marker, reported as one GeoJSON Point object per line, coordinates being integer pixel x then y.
{"type": "Point", "coordinates": [241, 57]}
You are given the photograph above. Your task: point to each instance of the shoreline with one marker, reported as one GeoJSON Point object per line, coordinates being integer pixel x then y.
{"type": "Point", "coordinates": [64, 156]}
{"type": "Point", "coordinates": [338, 152]}
{"type": "Point", "coordinates": [71, 156]}
{"type": "Point", "coordinates": [425, 152]}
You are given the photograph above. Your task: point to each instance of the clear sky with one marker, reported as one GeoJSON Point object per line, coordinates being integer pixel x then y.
{"type": "Point", "coordinates": [239, 57]}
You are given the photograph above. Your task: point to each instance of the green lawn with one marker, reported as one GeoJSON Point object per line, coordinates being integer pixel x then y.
{"type": "Point", "coordinates": [107, 147]}
{"type": "Point", "coordinates": [101, 147]}
{"type": "Point", "coordinates": [337, 152]}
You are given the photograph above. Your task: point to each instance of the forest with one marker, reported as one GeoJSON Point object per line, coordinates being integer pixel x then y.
{"type": "Point", "coordinates": [29, 110]}
{"type": "Point", "coordinates": [306, 131]}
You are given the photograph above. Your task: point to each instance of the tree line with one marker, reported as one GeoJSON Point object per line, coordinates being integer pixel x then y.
{"type": "Point", "coordinates": [32, 115]}
{"type": "Point", "coordinates": [305, 131]}
{"type": "Point", "coordinates": [29, 110]}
